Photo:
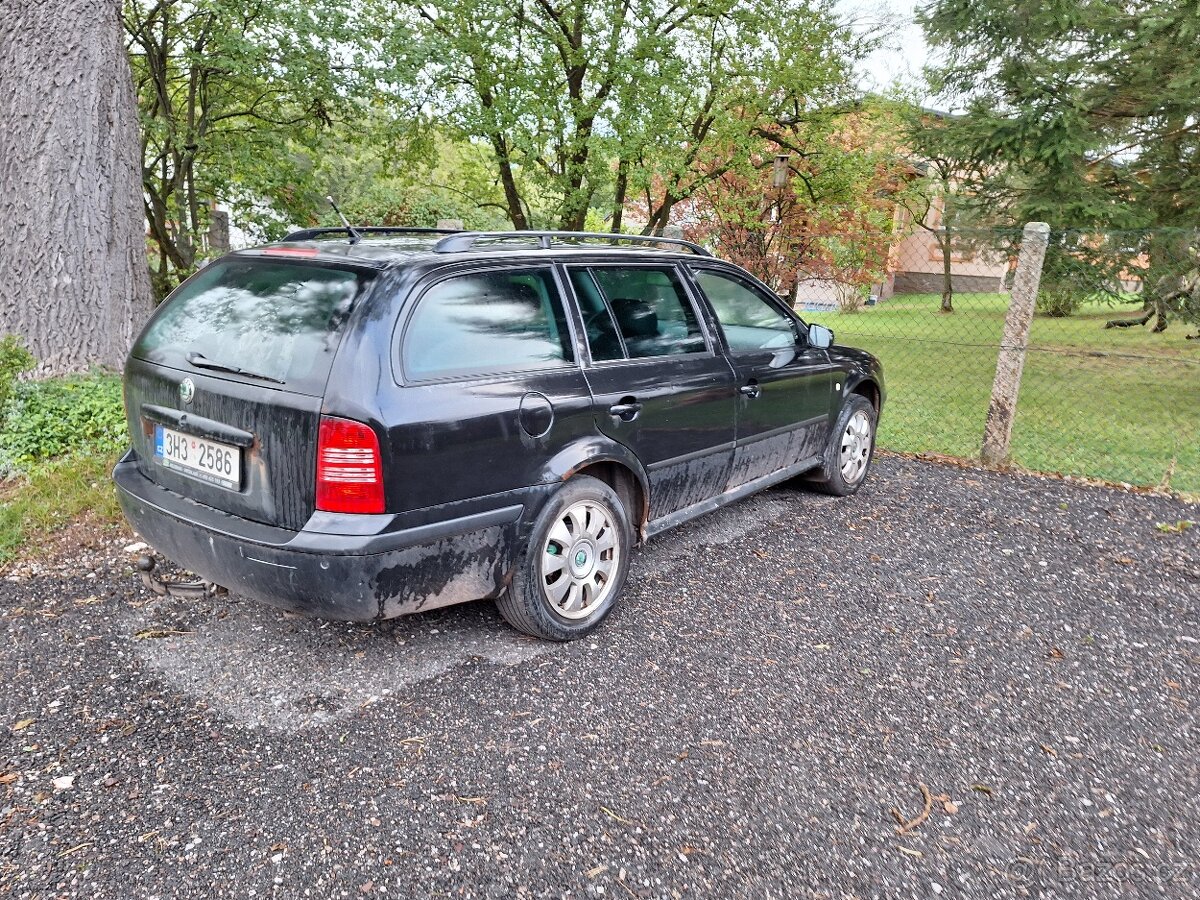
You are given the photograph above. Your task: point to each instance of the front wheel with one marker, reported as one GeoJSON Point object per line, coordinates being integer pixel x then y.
{"type": "Point", "coordinates": [850, 449]}
{"type": "Point", "coordinates": [574, 567]}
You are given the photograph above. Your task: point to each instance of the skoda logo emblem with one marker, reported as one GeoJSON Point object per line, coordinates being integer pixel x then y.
{"type": "Point", "coordinates": [187, 390]}
{"type": "Point", "coordinates": [580, 557]}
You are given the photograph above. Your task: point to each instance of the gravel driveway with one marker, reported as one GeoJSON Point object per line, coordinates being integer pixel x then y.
{"type": "Point", "coordinates": [779, 678]}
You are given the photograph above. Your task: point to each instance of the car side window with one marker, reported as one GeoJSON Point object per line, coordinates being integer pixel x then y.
{"type": "Point", "coordinates": [487, 322]}
{"type": "Point", "coordinates": [749, 320]}
{"type": "Point", "coordinates": [651, 309]}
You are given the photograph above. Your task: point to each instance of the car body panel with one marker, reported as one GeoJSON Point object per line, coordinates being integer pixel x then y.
{"type": "Point", "coordinates": [683, 434]}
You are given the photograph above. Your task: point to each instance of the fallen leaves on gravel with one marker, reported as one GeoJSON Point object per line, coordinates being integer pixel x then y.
{"type": "Point", "coordinates": [1178, 527]}
{"type": "Point", "coordinates": [612, 815]}
{"type": "Point", "coordinates": [154, 633]}
{"type": "Point", "coordinates": [906, 826]}
{"type": "Point", "coordinates": [23, 724]}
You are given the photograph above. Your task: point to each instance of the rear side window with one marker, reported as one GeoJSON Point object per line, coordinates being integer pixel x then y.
{"type": "Point", "coordinates": [652, 311]}
{"type": "Point", "coordinates": [279, 320]}
{"type": "Point", "coordinates": [487, 322]}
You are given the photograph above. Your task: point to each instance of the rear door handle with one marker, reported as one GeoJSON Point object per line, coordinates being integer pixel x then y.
{"type": "Point", "coordinates": [627, 410]}
{"type": "Point", "coordinates": [751, 390]}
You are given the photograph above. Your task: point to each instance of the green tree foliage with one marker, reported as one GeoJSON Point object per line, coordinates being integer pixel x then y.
{"type": "Point", "coordinates": [1089, 113]}
{"type": "Point", "coordinates": [227, 92]}
{"type": "Point", "coordinates": [376, 182]}
{"type": "Point", "coordinates": [816, 200]}
{"type": "Point", "coordinates": [588, 102]}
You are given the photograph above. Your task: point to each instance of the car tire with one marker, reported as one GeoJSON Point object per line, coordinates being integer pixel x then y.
{"type": "Point", "coordinates": [574, 565]}
{"type": "Point", "coordinates": [848, 455]}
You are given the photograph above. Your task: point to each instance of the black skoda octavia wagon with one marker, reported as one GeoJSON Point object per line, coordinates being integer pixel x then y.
{"type": "Point", "coordinates": [363, 423]}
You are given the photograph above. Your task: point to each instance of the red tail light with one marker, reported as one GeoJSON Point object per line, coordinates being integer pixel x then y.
{"type": "Point", "coordinates": [349, 472]}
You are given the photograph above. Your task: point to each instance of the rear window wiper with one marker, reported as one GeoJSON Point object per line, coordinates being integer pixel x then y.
{"type": "Point", "coordinates": [200, 361]}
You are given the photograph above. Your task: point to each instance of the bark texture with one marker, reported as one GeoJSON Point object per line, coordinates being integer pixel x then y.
{"type": "Point", "coordinates": [74, 281]}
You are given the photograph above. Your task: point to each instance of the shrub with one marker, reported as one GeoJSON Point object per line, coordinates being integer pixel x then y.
{"type": "Point", "coordinates": [851, 298]}
{"type": "Point", "coordinates": [14, 359]}
{"type": "Point", "coordinates": [1058, 301]}
{"type": "Point", "coordinates": [55, 417]}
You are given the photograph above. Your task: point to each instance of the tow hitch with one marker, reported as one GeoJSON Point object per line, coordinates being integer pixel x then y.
{"type": "Point", "coordinates": [192, 590]}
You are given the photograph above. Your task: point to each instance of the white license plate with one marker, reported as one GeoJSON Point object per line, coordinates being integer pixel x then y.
{"type": "Point", "coordinates": [209, 461]}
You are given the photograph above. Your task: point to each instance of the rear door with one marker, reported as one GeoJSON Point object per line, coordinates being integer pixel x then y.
{"type": "Point", "coordinates": [488, 386]}
{"type": "Point", "coordinates": [223, 388]}
{"type": "Point", "coordinates": [785, 387]}
{"type": "Point", "coordinates": [658, 385]}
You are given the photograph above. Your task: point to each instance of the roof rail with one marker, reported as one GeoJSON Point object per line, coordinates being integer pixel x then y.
{"type": "Point", "coordinates": [466, 240]}
{"type": "Point", "coordinates": [307, 234]}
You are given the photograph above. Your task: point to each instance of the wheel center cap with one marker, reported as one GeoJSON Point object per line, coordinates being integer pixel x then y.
{"type": "Point", "coordinates": [582, 558]}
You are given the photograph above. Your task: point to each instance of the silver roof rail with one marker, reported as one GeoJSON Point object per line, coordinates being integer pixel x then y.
{"type": "Point", "coordinates": [464, 241]}
{"type": "Point", "coordinates": [308, 234]}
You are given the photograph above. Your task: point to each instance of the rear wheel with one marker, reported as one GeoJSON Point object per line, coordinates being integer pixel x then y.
{"type": "Point", "coordinates": [574, 567]}
{"type": "Point", "coordinates": [850, 450]}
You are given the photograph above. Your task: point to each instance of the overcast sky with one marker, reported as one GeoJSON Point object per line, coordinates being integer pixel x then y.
{"type": "Point", "coordinates": [905, 52]}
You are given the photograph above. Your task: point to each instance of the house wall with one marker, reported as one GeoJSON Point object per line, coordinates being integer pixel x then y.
{"type": "Point", "coordinates": [915, 261]}
{"type": "Point", "coordinates": [932, 283]}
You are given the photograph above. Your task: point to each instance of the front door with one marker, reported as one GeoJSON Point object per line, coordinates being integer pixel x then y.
{"type": "Point", "coordinates": [657, 385]}
{"type": "Point", "coordinates": [785, 388]}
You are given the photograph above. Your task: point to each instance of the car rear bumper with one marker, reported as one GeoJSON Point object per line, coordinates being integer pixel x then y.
{"type": "Point", "coordinates": [356, 574]}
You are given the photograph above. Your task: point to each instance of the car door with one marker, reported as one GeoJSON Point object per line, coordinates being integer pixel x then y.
{"type": "Point", "coordinates": [658, 385]}
{"type": "Point", "coordinates": [490, 386]}
{"type": "Point", "coordinates": [785, 387]}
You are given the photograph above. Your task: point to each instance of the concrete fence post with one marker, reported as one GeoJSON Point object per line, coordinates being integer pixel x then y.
{"type": "Point", "coordinates": [1002, 409]}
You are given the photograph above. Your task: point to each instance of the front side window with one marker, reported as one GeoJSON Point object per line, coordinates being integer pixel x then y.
{"type": "Point", "coordinates": [749, 320]}
{"type": "Point", "coordinates": [651, 311]}
{"type": "Point", "coordinates": [487, 322]}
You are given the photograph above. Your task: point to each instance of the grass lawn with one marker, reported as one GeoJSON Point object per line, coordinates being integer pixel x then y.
{"type": "Point", "coordinates": [1119, 404]}
{"type": "Point", "coordinates": [53, 495]}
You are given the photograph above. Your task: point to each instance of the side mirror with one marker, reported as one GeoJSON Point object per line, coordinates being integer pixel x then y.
{"type": "Point", "coordinates": [819, 337]}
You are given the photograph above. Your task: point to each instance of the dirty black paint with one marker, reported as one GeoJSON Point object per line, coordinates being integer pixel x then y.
{"type": "Point", "coordinates": [278, 470]}
{"type": "Point", "coordinates": [453, 570]}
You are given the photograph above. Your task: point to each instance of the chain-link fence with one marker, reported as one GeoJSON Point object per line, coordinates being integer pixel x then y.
{"type": "Point", "coordinates": [1107, 391]}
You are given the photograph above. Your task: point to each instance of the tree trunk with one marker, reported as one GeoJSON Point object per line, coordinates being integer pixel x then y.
{"type": "Point", "coordinates": [74, 276]}
{"type": "Point", "coordinates": [947, 275]}
{"type": "Point", "coordinates": [512, 197]}
{"type": "Point", "coordinates": [622, 186]}
{"type": "Point", "coordinates": [660, 218]}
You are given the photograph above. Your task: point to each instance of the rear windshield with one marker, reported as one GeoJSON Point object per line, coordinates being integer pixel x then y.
{"type": "Point", "coordinates": [273, 320]}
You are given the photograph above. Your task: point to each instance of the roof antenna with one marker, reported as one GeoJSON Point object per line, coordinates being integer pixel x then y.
{"type": "Point", "coordinates": [355, 237]}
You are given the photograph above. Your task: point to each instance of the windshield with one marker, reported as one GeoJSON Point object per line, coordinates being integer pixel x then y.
{"type": "Point", "coordinates": [275, 320]}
